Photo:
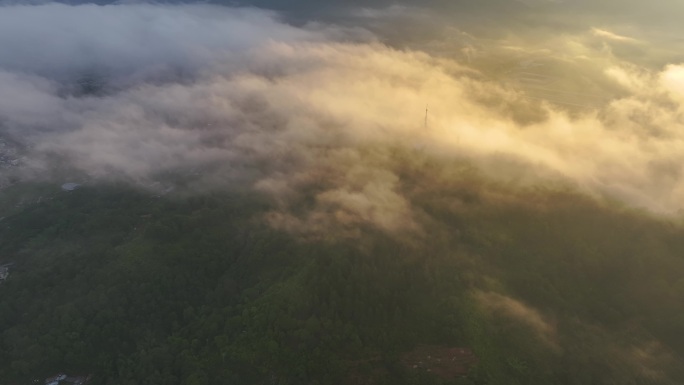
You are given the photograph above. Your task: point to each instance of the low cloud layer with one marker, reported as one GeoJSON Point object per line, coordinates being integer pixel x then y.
{"type": "Point", "coordinates": [501, 306]}
{"type": "Point", "coordinates": [235, 97]}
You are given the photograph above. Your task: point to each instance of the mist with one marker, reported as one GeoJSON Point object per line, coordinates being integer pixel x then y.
{"type": "Point", "coordinates": [505, 178]}
{"type": "Point", "coordinates": [224, 97]}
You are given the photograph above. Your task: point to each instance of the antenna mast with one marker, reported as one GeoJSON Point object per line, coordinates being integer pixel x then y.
{"type": "Point", "coordinates": [426, 116]}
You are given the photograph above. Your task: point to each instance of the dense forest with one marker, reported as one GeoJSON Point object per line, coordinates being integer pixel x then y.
{"type": "Point", "coordinates": [543, 285]}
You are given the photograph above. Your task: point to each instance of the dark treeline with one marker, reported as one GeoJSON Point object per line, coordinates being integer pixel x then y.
{"type": "Point", "coordinates": [544, 285]}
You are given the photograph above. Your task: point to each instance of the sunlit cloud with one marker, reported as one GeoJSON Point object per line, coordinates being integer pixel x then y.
{"type": "Point", "coordinates": [311, 117]}
{"type": "Point", "coordinates": [612, 36]}
{"type": "Point", "coordinates": [501, 305]}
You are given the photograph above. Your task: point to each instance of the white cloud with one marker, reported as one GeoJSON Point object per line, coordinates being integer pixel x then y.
{"type": "Point", "coordinates": [296, 113]}
{"type": "Point", "coordinates": [603, 33]}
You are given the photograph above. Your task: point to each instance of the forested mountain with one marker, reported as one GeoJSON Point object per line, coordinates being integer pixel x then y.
{"type": "Point", "coordinates": [543, 285]}
{"type": "Point", "coordinates": [345, 192]}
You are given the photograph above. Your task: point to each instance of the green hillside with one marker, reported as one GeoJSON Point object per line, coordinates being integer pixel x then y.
{"type": "Point", "coordinates": [543, 285]}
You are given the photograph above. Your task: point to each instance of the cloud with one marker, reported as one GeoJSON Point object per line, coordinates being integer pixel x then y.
{"type": "Point", "coordinates": [313, 116]}
{"type": "Point", "coordinates": [130, 41]}
{"type": "Point", "coordinates": [498, 304]}
{"type": "Point", "coordinates": [651, 360]}
{"type": "Point", "coordinates": [612, 36]}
